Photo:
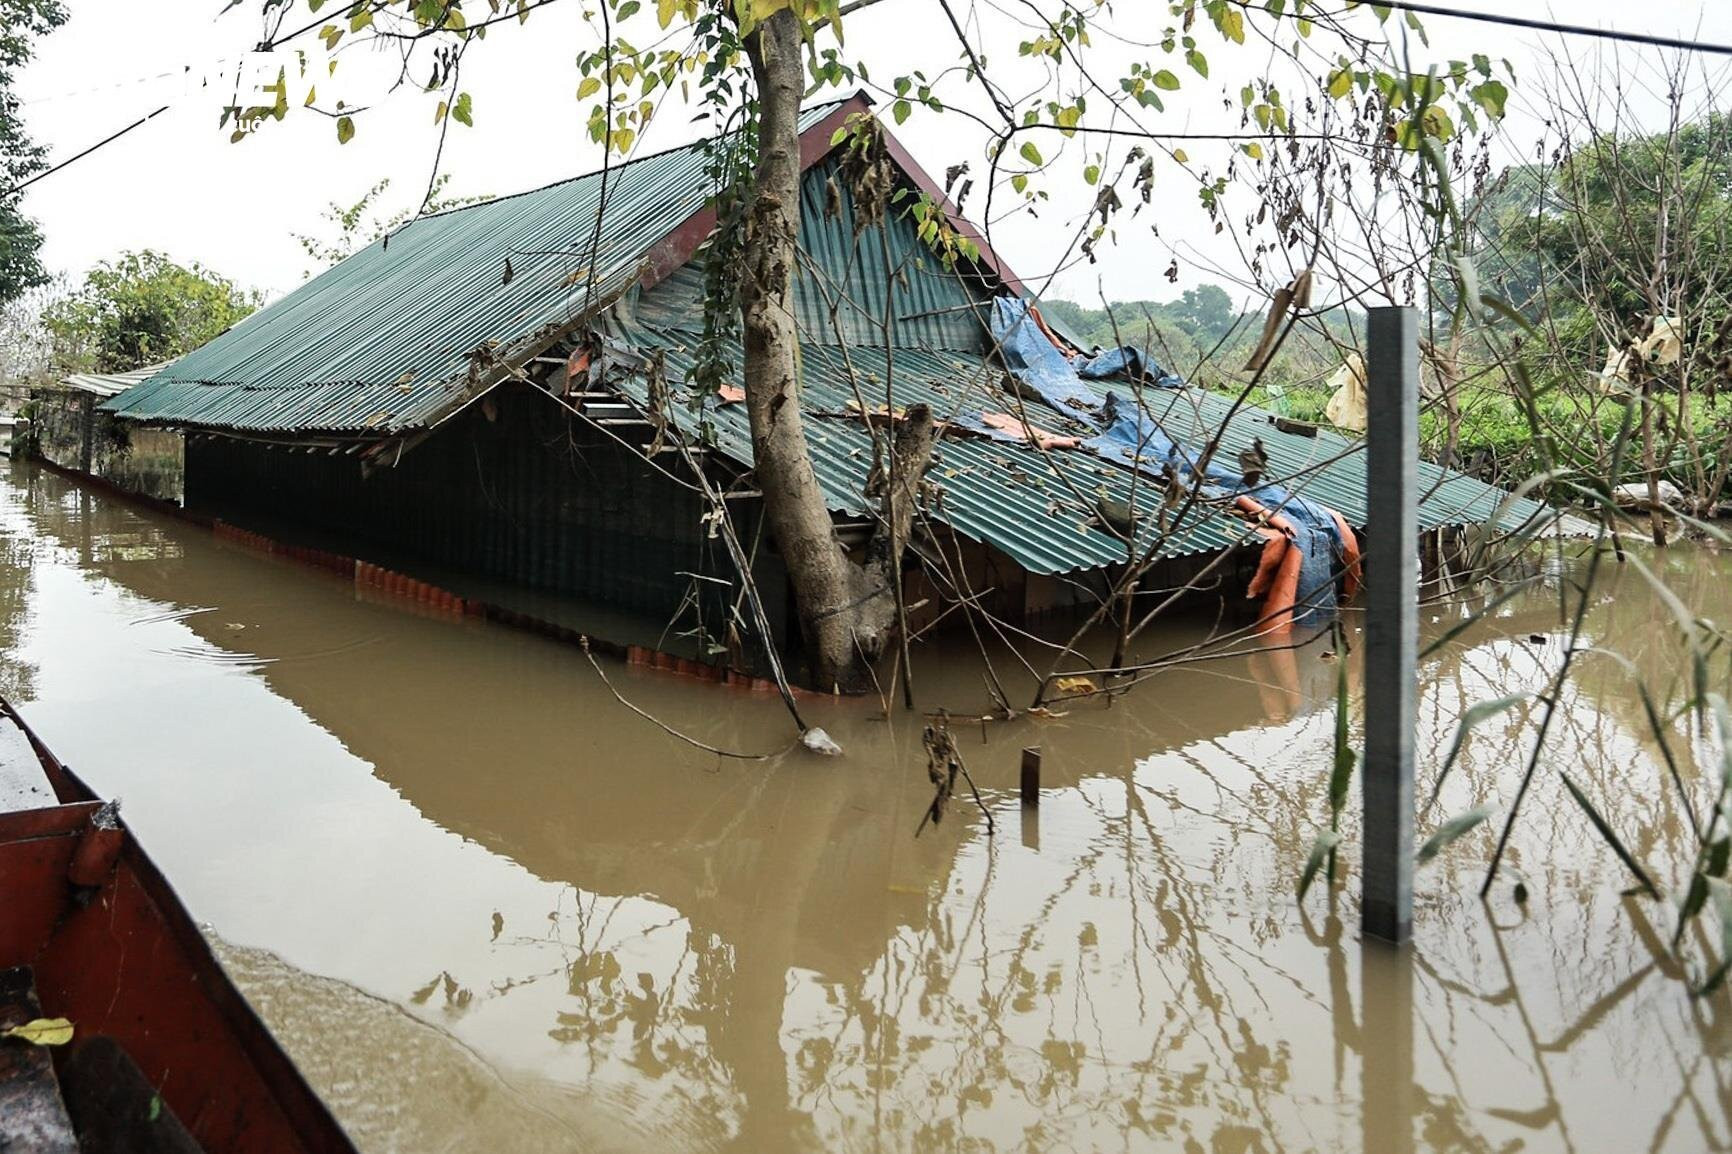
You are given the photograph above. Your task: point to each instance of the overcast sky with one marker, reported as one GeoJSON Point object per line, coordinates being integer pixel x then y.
{"type": "Point", "coordinates": [178, 185]}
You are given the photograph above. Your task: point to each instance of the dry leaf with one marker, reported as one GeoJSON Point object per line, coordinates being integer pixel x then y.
{"type": "Point", "coordinates": [42, 1032]}
{"type": "Point", "coordinates": [1074, 685]}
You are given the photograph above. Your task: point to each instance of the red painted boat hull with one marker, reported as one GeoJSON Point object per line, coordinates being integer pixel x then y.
{"type": "Point", "coordinates": [119, 956]}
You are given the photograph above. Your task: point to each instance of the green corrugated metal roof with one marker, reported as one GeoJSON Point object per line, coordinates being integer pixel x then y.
{"type": "Point", "coordinates": [1326, 467]}
{"type": "Point", "coordinates": [1034, 507]}
{"type": "Point", "coordinates": [382, 341]}
{"type": "Point", "coordinates": [934, 306]}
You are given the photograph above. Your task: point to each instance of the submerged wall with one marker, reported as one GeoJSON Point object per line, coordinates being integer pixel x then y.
{"type": "Point", "coordinates": [68, 430]}
{"type": "Point", "coordinates": [517, 491]}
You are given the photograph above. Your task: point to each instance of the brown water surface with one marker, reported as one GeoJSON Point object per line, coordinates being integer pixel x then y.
{"type": "Point", "coordinates": [486, 907]}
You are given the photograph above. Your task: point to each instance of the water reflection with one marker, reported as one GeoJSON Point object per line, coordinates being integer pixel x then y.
{"type": "Point", "coordinates": [555, 928]}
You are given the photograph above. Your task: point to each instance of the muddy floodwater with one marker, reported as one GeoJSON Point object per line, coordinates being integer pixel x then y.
{"type": "Point", "coordinates": [485, 907]}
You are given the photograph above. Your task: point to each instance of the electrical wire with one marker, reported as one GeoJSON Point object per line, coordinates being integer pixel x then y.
{"type": "Point", "coordinates": [1420, 8]}
{"type": "Point", "coordinates": [77, 156]}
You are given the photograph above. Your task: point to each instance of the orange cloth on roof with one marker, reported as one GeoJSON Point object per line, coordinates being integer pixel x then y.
{"type": "Point", "coordinates": [1041, 437]}
{"type": "Point", "coordinates": [1352, 573]}
{"type": "Point", "coordinates": [1057, 342]}
{"type": "Point", "coordinates": [1277, 578]}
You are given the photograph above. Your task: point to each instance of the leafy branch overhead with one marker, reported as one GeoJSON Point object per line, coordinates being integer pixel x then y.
{"type": "Point", "coordinates": [643, 50]}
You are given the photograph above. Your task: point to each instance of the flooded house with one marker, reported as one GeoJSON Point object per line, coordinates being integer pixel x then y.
{"type": "Point", "coordinates": [498, 398]}
{"type": "Point", "coordinates": [70, 429]}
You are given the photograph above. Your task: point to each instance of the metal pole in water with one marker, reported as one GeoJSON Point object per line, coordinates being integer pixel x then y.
{"type": "Point", "coordinates": [1391, 620]}
{"type": "Point", "coordinates": [1031, 776]}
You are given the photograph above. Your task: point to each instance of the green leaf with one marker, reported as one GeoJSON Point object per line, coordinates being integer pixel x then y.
{"type": "Point", "coordinates": [1198, 62]}
{"type": "Point", "coordinates": [1092, 174]}
{"type": "Point", "coordinates": [1687, 625]}
{"type": "Point", "coordinates": [627, 10]}
{"type": "Point", "coordinates": [590, 85]}
{"type": "Point", "coordinates": [900, 110]}
{"type": "Point", "coordinates": [1166, 81]}
{"type": "Point", "coordinates": [1325, 844]}
{"type": "Point", "coordinates": [463, 112]}
{"type": "Point", "coordinates": [1341, 773]}
{"type": "Point", "coordinates": [1019, 181]}
{"type": "Point", "coordinates": [1340, 83]}
{"type": "Point", "coordinates": [1694, 898]}
{"type": "Point", "coordinates": [1492, 96]}
{"type": "Point", "coordinates": [1450, 831]}
{"type": "Point", "coordinates": [345, 129]}
{"type": "Point", "coordinates": [42, 1032]}
{"type": "Point", "coordinates": [1467, 282]}
{"type": "Point", "coordinates": [1029, 152]}
{"type": "Point", "coordinates": [1721, 892]}
{"type": "Point", "coordinates": [1254, 150]}
{"type": "Point", "coordinates": [1723, 727]}
{"type": "Point", "coordinates": [1471, 716]}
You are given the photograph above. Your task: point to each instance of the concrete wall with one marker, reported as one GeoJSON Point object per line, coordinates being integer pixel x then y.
{"type": "Point", "coordinates": [68, 430]}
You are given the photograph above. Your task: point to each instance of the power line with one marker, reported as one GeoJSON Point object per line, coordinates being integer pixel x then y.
{"type": "Point", "coordinates": [111, 138]}
{"type": "Point", "coordinates": [264, 46]}
{"type": "Point", "coordinates": [1418, 7]}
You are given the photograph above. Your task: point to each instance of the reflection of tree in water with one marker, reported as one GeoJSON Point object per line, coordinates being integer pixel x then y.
{"type": "Point", "coordinates": [17, 586]}
{"type": "Point", "coordinates": [1146, 979]}
{"type": "Point", "coordinates": [1142, 979]}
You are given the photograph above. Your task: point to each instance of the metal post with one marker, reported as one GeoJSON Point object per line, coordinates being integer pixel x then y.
{"type": "Point", "coordinates": [1391, 620]}
{"type": "Point", "coordinates": [1031, 797]}
{"type": "Point", "coordinates": [1031, 776]}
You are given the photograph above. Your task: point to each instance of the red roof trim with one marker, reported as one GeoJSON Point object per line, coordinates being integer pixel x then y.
{"type": "Point", "coordinates": [680, 245]}
{"type": "Point", "coordinates": [924, 182]}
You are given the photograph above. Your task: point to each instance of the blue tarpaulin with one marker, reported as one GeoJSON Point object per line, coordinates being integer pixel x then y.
{"type": "Point", "coordinates": [1130, 436]}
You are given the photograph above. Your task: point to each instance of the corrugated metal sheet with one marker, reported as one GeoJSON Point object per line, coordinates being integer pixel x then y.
{"type": "Point", "coordinates": [110, 384]}
{"type": "Point", "coordinates": [934, 307]}
{"type": "Point", "coordinates": [1326, 467]}
{"type": "Point", "coordinates": [1036, 508]}
{"type": "Point", "coordinates": [382, 341]}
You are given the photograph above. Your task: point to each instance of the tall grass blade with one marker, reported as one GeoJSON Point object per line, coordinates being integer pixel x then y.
{"type": "Point", "coordinates": [1721, 892]}
{"type": "Point", "coordinates": [1450, 831]}
{"type": "Point", "coordinates": [1610, 837]}
{"type": "Point", "coordinates": [1321, 849]}
{"type": "Point", "coordinates": [1723, 725]}
{"type": "Point", "coordinates": [1341, 772]}
{"type": "Point", "coordinates": [1687, 624]}
{"type": "Point", "coordinates": [1662, 738]}
{"type": "Point", "coordinates": [1471, 716]}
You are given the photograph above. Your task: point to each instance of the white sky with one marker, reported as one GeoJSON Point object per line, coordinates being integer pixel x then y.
{"type": "Point", "coordinates": [178, 185]}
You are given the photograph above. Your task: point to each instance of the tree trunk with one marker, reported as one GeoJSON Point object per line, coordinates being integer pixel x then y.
{"type": "Point", "coordinates": [847, 612]}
